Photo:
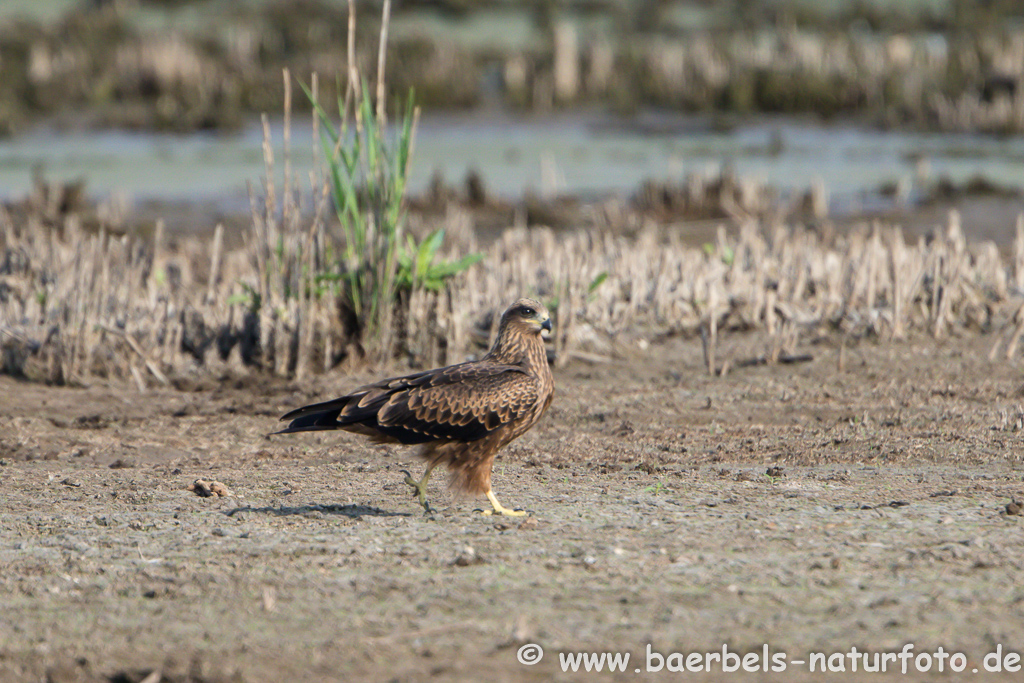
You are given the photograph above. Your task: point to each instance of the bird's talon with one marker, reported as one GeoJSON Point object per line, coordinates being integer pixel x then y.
{"type": "Point", "coordinates": [500, 509]}
{"type": "Point", "coordinates": [505, 512]}
{"type": "Point", "coordinates": [419, 488]}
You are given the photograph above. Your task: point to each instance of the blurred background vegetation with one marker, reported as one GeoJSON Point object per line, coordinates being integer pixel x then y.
{"type": "Point", "coordinates": [676, 166]}
{"type": "Point", "coordinates": [206, 64]}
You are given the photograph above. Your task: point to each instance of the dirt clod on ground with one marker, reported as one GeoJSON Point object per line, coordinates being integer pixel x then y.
{"type": "Point", "coordinates": [209, 489]}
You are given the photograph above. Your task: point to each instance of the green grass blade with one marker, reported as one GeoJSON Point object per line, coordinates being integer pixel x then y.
{"type": "Point", "coordinates": [321, 114]}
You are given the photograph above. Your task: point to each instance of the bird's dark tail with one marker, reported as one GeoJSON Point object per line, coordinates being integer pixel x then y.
{"type": "Point", "coordinates": [316, 417]}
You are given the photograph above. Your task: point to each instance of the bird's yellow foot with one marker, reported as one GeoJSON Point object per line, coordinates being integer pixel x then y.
{"type": "Point", "coordinates": [500, 509]}
{"type": "Point", "coordinates": [419, 487]}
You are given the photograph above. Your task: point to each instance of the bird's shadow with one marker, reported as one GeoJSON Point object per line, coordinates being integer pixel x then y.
{"type": "Point", "coordinates": [350, 511]}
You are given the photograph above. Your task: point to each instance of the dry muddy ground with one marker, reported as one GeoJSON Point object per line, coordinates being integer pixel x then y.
{"type": "Point", "coordinates": [809, 507]}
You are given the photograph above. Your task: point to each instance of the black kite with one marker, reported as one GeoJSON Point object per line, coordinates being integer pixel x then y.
{"type": "Point", "coordinates": [461, 415]}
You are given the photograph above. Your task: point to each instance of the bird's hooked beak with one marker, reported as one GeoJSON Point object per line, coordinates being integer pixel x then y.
{"type": "Point", "coordinates": [546, 325]}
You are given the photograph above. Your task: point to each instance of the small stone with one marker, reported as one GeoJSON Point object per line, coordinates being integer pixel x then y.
{"type": "Point", "coordinates": [220, 489]}
{"type": "Point", "coordinates": [625, 429]}
{"type": "Point", "coordinates": [467, 557]}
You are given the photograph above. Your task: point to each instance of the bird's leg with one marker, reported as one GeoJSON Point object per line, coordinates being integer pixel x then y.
{"type": "Point", "coordinates": [420, 487]}
{"type": "Point", "coordinates": [499, 509]}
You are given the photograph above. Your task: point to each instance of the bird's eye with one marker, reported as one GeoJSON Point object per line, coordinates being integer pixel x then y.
{"type": "Point", "coordinates": [527, 311]}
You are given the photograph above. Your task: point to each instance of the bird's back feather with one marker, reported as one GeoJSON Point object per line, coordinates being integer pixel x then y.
{"type": "Point", "coordinates": [462, 402]}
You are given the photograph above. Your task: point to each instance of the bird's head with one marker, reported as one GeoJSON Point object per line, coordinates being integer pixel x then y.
{"type": "Point", "coordinates": [527, 315]}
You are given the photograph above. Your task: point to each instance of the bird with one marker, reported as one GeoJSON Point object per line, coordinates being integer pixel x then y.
{"type": "Point", "coordinates": [460, 415]}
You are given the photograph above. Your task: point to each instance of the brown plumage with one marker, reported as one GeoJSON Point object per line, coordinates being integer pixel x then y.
{"type": "Point", "coordinates": [462, 415]}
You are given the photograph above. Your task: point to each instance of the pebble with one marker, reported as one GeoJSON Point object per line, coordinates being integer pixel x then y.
{"type": "Point", "coordinates": [467, 557]}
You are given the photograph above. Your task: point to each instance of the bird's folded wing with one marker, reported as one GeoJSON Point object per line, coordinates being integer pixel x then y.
{"type": "Point", "coordinates": [464, 402]}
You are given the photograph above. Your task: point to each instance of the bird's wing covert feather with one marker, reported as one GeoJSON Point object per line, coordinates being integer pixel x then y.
{"type": "Point", "coordinates": [464, 402]}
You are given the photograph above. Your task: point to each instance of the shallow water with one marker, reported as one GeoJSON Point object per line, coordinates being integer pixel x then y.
{"type": "Point", "coordinates": [563, 154]}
